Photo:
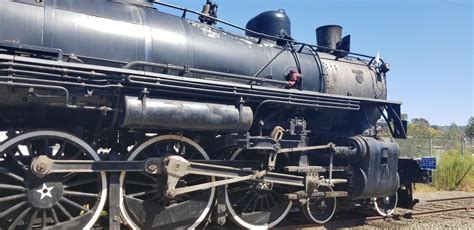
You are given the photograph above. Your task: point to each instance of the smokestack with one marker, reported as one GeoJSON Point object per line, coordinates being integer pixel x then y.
{"type": "Point", "coordinates": [328, 36]}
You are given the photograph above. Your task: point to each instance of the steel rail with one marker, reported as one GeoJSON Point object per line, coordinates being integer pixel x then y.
{"type": "Point", "coordinates": [449, 199]}
{"type": "Point", "coordinates": [369, 219]}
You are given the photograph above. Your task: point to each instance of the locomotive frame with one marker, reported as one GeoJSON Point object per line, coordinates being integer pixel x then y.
{"type": "Point", "coordinates": [126, 103]}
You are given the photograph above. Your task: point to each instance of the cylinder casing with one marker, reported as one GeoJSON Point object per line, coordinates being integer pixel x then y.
{"type": "Point", "coordinates": [375, 175]}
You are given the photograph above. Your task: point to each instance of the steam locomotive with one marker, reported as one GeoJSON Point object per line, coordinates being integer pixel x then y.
{"type": "Point", "coordinates": [120, 115]}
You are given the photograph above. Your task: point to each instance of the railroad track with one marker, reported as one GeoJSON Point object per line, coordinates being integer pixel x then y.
{"type": "Point", "coordinates": [424, 208]}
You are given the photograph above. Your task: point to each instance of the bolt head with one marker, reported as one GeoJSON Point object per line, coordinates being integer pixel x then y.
{"type": "Point", "coordinates": [152, 167]}
{"type": "Point", "coordinates": [170, 194]}
{"type": "Point", "coordinates": [41, 167]}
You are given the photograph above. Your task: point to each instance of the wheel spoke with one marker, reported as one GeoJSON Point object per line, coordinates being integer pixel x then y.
{"type": "Point", "coordinates": [168, 148]}
{"type": "Point", "coordinates": [31, 153]}
{"type": "Point", "coordinates": [273, 199]}
{"type": "Point", "coordinates": [55, 215]}
{"type": "Point", "coordinates": [239, 189]}
{"type": "Point", "coordinates": [12, 209]}
{"type": "Point", "coordinates": [60, 150]}
{"type": "Point", "coordinates": [138, 194]}
{"type": "Point", "coordinates": [149, 176]}
{"type": "Point", "coordinates": [157, 150]}
{"type": "Point", "coordinates": [155, 197]}
{"type": "Point", "coordinates": [61, 207]}
{"type": "Point", "coordinates": [6, 172]}
{"type": "Point", "coordinates": [193, 153]}
{"type": "Point", "coordinates": [145, 156]}
{"type": "Point", "coordinates": [46, 148]}
{"type": "Point", "coordinates": [18, 219]}
{"type": "Point", "coordinates": [278, 195]}
{"type": "Point", "coordinates": [12, 187]}
{"type": "Point", "coordinates": [182, 149]}
{"type": "Point", "coordinates": [79, 182]}
{"type": "Point", "coordinates": [44, 218]}
{"type": "Point", "coordinates": [243, 197]}
{"type": "Point", "coordinates": [14, 150]}
{"type": "Point", "coordinates": [68, 176]}
{"type": "Point", "coordinates": [75, 156]}
{"type": "Point", "coordinates": [248, 203]}
{"type": "Point", "coordinates": [81, 194]}
{"type": "Point", "coordinates": [32, 219]}
{"type": "Point", "coordinates": [139, 183]}
{"type": "Point", "coordinates": [12, 197]}
{"type": "Point", "coordinates": [74, 204]}
{"type": "Point", "coordinates": [20, 151]}
{"type": "Point", "coordinates": [267, 202]}
{"type": "Point", "coordinates": [18, 162]}
{"type": "Point", "coordinates": [198, 178]}
{"type": "Point", "coordinates": [255, 203]}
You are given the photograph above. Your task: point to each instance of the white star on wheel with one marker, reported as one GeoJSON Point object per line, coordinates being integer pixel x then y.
{"type": "Point", "coordinates": [45, 191]}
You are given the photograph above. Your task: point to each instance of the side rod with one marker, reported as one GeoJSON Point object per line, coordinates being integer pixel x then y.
{"type": "Point", "coordinates": [175, 167]}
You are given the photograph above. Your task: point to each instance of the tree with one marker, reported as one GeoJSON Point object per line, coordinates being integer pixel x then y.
{"type": "Point", "coordinates": [420, 128]}
{"type": "Point", "coordinates": [469, 131]}
{"type": "Point", "coordinates": [420, 121]}
{"type": "Point", "coordinates": [404, 116]}
{"type": "Point", "coordinates": [453, 132]}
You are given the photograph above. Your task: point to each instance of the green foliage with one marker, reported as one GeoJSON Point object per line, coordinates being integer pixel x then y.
{"type": "Point", "coordinates": [404, 116]}
{"type": "Point", "coordinates": [453, 170]}
{"type": "Point", "coordinates": [453, 132]}
{"type": "Point", "coordinates": [420, 122]}
{"type": "Point", "coordinates": [420, 128]}
{"type": "Point", "coordinates": [414, 147]}
{"type": "Point", "coordinates": [469, 130]}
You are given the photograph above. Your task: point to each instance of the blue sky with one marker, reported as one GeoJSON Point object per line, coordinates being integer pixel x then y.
{"type": "Point", "coordinates": [428, 43]}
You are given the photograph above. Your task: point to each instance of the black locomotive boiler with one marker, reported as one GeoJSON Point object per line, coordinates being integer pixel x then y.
{"type": "Point", "coordinates": [120, 115]}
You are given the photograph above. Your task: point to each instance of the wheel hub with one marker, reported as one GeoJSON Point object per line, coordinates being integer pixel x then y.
{"type": "Point", "coordinates": [385, 206]}
{"type": "Point", "coordinates": [264, 186]}
{"type": "Point", "coordinates": [320, 210]}
{"type": "Point", "coordinates": [322, 204]}
{"type": "Point", "coordinates": [56, 201]}
{"type": "Point", "coordinates": [45, 195]}
{"type": "Point", "coordinates": [145, 206]}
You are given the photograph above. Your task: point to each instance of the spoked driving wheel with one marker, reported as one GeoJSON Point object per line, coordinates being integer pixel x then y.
{"type": "Point", "coordinates": [56, 201]}
{"type": "Point", "coordinates": [320, 210]}
{"type": "Point", "coordinates": [143, 202]}
{"type": "Point", "coordinates": [385, 206]}
{"type": "Point", "coordinates": [256, 205]}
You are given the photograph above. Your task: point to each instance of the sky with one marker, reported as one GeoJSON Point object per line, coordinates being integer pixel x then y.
{"type": "Point", "coordinates": [428, 44]}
